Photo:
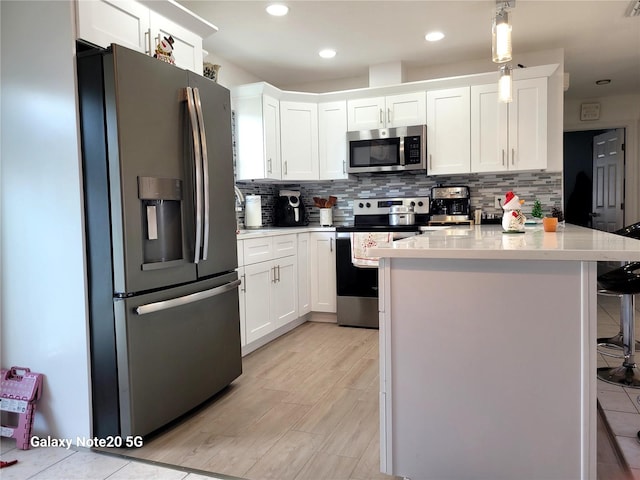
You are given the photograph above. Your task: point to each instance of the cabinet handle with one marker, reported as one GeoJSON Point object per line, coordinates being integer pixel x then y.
{"type": "Point", "coordinates": [344, 166]}
{"type": "Point", "coordinates": [513, 156]}
{"type": "Point", "coordinates": [147, 42]}
{"type": "Point", "coordinates": [503, 157]}
{"type": "Point", "coordinates": [331, 244]}
{"type": "Point", "coordinates": [388, 115]}
{"type": "Point", "coordinates": [273, 277]}
{"type": "Point", "coordinates": [285, 167]}
{"type": "Point", "coordinates": [381, 119]}
{"type": "Point", "coordinates": [242, 282]}
{"type": "Point", "coordinates": [430, 161]}
{"type": "Point", "coordinates": [278, 273]}
{"type": "Point", "coordinates": [269, 166]}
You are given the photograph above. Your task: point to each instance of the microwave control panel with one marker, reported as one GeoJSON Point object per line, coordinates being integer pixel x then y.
{"type": "Point", "coordinates": [412, 150]}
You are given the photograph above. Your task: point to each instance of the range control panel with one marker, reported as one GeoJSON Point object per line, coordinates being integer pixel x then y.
{"type": "Point", "coordinates": [381, 206]}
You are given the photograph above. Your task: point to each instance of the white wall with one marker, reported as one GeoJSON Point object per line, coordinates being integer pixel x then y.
{"type": "Point", "coordinates": [616, 111]}
{"type": "Point", "coordinates": [43, 291]}
{"type": "Point", "coordinates": [230, 74]}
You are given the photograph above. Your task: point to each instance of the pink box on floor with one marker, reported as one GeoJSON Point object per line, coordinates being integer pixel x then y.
{"type": "Point", "coordinates": [20, 389]}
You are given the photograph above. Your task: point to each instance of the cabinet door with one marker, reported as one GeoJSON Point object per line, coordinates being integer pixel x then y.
{"type": "Point", "coordinates": [365, 114]}
{"type": "Point", "coordinates": [125, 22]}
{"type": "Point", "coordinates": [187, 47]}
{"type": "Point", "coordinates": [448, 131]}
{"type": "Point", "coordinates": [323, 272]}
{"type": "Point", "coordinates": [259, 279]}
{"type": "Point", "coordinates": [406, 110]}
{"type": "Point", "coordinates": [304, 281]}
{"type": "Point", "coordinates": [528, 125]}
{"type": "Point", "coordinates": [332, 140]}
{"type": "Point", "coordinates": [284, 293]}
{"type": "Point", "coordinates": [241, 304]}
{"type": "Point", "coordinates": [271, 129]}
{"type": "Point", "coordinates": [489, 148]}
{"type": "Point", "coordinates": [299, 140]}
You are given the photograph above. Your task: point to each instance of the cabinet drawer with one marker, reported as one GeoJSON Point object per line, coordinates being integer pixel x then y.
{"type": "Point", "coordinates": [285, 245]}
{"type": "Point", "coordinates": [257, 250]}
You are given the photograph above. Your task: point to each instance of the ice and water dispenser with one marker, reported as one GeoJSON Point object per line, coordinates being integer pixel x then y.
{"type": "Point", "coordinates": [161, 220]}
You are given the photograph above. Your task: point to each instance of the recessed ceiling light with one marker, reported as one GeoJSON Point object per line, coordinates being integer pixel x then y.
{"type": "Point", "coordinates": [277, 10]}
{"type": "Point", "coordinates": [434, 36]}
{"type": "Point", "coordinates": [604, 81]}
{"type": "Point", "coordinates": [327, 53]}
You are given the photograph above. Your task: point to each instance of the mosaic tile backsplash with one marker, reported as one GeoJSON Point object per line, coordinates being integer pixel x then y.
{"type": "Point", "coordinates": [544, 186]}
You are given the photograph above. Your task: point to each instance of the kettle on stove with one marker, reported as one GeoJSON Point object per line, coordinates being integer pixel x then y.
{"type": "Point", "coordinates": [290, 211]}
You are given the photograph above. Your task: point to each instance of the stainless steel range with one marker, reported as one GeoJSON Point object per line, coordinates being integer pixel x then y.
{"type": "Point", "coordinates": [357, 284]}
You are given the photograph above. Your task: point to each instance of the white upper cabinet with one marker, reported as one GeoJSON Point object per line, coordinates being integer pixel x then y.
{"type": "Point", "coordinates": [528, 125]}
{"type": "Point", "coordinates": [257, 137]}
{"type": "Point", "coordinates": [448, 131]}
{"type": "Point", "coordinates": [509, 136]}
{"type": "Point", "coordinates": [406, 109]}
{"type": "Point", "coordinates": [134, 25]}
{"type": "Point", "coordinates": [125, 22]}
{"type": "Point", "coordinates": [332, 140]}
{"type": "Point", "coordinates": [299, 140]}
{"type": "Point", "coordinates": [386, 112]}
{"type": "Point", "coordinates": [187, 46]}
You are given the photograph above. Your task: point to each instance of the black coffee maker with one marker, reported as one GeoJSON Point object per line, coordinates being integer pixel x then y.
{"type": "Point", "coordinates": [450, 204]}
{"type": "Point", "coordinates": [290, 211]}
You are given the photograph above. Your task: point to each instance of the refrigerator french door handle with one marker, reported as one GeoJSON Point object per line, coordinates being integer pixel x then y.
{"type": "Point", "coordinates": [205, 172]}
{"type": "Point", "coordinates": [185, 300]}
{"type": "Point", "coordinates": [198, 170]}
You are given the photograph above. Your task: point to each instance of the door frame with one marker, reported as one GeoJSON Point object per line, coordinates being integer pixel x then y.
{"type": "Point", "coordinates": [632, 161]}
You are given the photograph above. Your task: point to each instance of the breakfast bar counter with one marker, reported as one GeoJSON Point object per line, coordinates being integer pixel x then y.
{"type": "Point", "coordinates": [488, 352]}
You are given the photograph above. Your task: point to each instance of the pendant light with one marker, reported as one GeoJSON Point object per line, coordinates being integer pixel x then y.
{"type": "Point", "coordinates": [501, 37]}
{"type": "Point", "coordinates": [505, 84]}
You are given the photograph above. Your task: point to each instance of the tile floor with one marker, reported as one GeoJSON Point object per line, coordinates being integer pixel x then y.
{"type": "Point", "coordinates": [621, 407]}
{"type": "Point", "coordinates": [44, 463]}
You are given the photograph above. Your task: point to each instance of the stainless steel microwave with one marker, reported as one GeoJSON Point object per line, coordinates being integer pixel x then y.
{"type": "Point", "coordinates": [388, 149]}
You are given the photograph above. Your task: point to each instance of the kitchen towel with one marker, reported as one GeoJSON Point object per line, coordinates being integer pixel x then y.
{"type": "Point", "coordinates": [359, 244]}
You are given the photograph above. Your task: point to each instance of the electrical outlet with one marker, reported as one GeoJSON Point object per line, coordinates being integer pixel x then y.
{"type": "Point", "coordinates": [497, 202]}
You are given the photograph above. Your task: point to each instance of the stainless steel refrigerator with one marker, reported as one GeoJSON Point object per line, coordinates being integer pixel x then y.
{"type": "Point", "coordinates": [161, 239]}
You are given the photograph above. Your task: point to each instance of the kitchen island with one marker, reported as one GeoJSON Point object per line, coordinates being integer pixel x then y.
{"type": "Point", "coordinates": [488, 352]}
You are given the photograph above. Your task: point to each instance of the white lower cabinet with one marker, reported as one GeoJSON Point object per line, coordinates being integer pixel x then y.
{"type": "Point", "coordinates": [304, 278]}
{"type": "Point", "coordinates": [283, 278]}
{"type": "Point", "coordinates": [323, 271]}
{"type": "Point", "coordinates": [268, 298]}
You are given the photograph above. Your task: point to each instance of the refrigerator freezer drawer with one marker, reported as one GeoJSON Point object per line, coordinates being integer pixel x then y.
{"type": "Point", "coordinates": [175, 354]}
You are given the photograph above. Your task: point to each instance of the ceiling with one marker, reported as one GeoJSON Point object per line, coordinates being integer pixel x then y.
{"type": "Point", "coordinates": [599, 40]}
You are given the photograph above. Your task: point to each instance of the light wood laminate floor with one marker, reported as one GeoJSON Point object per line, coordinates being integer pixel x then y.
{"type": "Point", "coordinates": [305, 407]}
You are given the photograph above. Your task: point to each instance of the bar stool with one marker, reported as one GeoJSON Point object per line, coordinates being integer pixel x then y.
{"type": "Point", "coordinates": [624, 281]}
{"type": "Point", "coordinates": [632, 231]}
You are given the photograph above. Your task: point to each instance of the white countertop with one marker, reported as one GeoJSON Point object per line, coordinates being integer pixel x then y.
{"type": "Point", "coordinates": [271, 231]}
{"type": "Point", "coordinates": [488, 242]}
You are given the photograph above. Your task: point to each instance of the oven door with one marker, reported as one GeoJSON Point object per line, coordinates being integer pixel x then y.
{"type": "Point", "coordinates": [357, 288]}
